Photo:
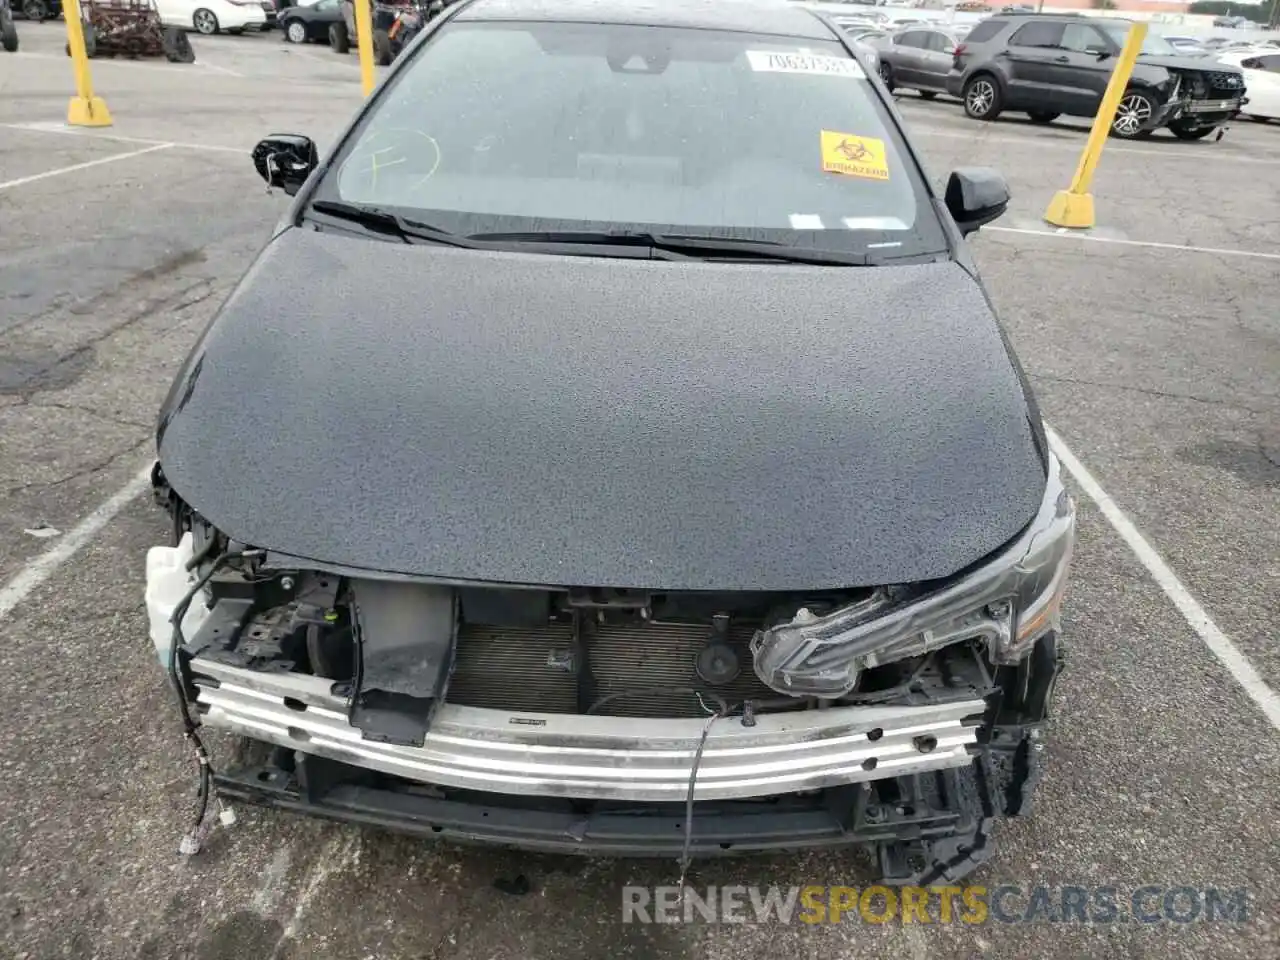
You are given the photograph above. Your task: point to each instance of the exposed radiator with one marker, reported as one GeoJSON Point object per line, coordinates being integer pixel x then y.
{"type": "Point", "coordinates": [537, 669]}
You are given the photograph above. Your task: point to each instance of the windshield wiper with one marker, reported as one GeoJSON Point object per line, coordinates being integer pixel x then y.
{"type": "Point", "coordinates": [706, 246]}
{"type": "Point", "coordinates": [383, 221]}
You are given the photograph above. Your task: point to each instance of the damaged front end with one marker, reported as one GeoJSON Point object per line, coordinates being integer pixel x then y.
{"type": "Point", "coordinates": [584, 719]}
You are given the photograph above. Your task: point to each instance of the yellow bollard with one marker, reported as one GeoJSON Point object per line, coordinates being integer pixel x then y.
{"type": "Point", "coordinates": [364, 43]}
{"type": "Point", "coordinates": [1073, 207]}
{"type": "Point", "coordinates": [85, 110]}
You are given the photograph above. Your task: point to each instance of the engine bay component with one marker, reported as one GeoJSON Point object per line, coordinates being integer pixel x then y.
{"type": "Point", "coordinates": [1008, 602]}
{"type": "Point", "coordinates": [169, 578]}
{"type": "Point", "coordinates": [404, 635]}
{"type": "Point", "coordinates": [386, 699]}
{"type": "Point", "coordinates": [718, 662]}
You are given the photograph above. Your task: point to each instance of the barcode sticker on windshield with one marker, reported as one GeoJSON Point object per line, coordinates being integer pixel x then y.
{"type": "Point", "coordinates": [854, 156]}
{"type": "Point", "coordinates": [764, 61]}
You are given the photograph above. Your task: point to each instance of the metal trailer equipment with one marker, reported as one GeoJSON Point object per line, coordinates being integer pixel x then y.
{"type": "Point", "coordinates": [132, 28]}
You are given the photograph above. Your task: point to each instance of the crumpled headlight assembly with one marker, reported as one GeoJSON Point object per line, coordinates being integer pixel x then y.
{"type": "Point", "coordinates": [1008, 603]}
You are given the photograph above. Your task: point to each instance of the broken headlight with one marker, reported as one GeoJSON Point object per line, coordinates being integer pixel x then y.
{"type": "Point", "coordinates": [1008, 603]}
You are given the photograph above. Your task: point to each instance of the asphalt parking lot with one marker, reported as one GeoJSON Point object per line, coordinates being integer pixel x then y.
{"type": "Point", "coordinates": [1153, 344]}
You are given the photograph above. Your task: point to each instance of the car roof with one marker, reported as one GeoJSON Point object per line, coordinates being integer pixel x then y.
{"type": "Point", "coordinates": [765, 17]}
{"type": "Point", "coordinates": [1064, 18]}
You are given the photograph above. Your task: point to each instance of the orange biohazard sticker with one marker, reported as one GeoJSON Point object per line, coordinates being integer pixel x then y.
{"type": "Point", "coordinates": [854, 156]}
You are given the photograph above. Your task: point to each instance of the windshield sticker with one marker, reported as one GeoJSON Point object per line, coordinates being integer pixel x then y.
{"type": "Point", "coordinates": [764, 61]}
{"type": "Point", "coordinates": [806, 221]}
{"type": "Point", "coordinates": [854, 156]}
{"type": "Point", "coordinates": [875, 223]}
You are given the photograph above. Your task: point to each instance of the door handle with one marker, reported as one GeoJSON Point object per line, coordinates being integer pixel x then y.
{"type": "Point", "coordinates": [1061, 59]}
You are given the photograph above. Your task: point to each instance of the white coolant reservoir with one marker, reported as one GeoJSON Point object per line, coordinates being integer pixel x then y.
{"type": "Point", "coordinates": [168, 581]}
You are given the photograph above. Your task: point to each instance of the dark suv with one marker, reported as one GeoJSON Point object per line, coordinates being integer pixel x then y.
{"type": "Point", "coordinates": [1049, 65]}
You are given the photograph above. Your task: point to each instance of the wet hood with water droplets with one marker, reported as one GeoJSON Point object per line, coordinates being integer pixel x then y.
{"type": "Point", "coordinates": [550, 420]}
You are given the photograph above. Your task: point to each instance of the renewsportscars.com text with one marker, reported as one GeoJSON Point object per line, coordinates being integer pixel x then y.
{"type": "Point", "coordinates": [1007, 903]}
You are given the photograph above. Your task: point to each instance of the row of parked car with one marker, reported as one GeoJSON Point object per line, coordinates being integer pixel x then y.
{"type": "Point", "coordinates": [202, 16]}
{"type": "Point", "coordinates": [1050, 65]}
{"type": "Point", "coordinates": [322, 21]}
{"type": "Point", "coordinates": [395, 23]}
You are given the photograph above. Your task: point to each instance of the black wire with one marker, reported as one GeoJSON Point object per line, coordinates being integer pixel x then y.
{"type": "Point", "coordinates": [357, 651]}
{"type": "Point", "coordinates": [722, 710]}
{"type": "Point", "coordinates": [189, 730]}
{"type": "Point", "coordinates": [685, 859]}
{"type": "Point", "coordinates": [179, 612]}
{"type": "Point", "coordinates": [198, 557]}
{"type": "Point", "coordinates": [652, 691]}
{"type": "Point", "coordinates": [205, 789]}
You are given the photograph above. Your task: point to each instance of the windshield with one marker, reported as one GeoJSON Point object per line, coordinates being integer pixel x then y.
{"type": "Point", "coordinates": [505, 127]}
{"type": "Point", "coordinates": [1153, 44]}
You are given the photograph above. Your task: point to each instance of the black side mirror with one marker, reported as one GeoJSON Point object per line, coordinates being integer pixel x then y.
{"type": "Point", "coordinates": [1100, 54]}
{"type": "Point", "coordinates": [285, 160]}
{"type": "Point", "coordinates": [976, 196]}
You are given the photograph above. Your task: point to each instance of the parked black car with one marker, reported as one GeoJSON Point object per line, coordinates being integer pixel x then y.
{"type": "Point", "coordinates": [1049, 65]}
{"type": "Point", "coordinates": [663, 494]}
{"type": "Point", "coordinates": [37, 10]}
{"type": "Point", "coordinates": [310, 23]}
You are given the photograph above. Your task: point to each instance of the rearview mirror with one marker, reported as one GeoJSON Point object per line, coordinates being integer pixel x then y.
{"type": "Point", "coordinates": [976, 196]}
{"type": "Point", "coordinates": [285, 160]}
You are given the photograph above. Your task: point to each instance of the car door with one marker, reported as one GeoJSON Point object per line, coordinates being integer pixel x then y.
{"type": "Point", "coordinates": [907, 57]}
{"type": "Point", "coordinates": [1262, 85]}
{"type": "Point", "coordinates": [169, 13]}
{"type": "Point", "coordinates": [936, 59]}
{"type": "Point", "coordinates": [1030, 61]}
{"type": "Point", "coordinates": [1082, 69]}
{"type": "Point", "coordinates": [176, 13]}
{"type": "Point", "coordinates": [326, 12]}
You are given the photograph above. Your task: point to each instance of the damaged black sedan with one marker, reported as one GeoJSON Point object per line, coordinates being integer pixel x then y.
{"type": "Point", "coordinates": [640, 469]}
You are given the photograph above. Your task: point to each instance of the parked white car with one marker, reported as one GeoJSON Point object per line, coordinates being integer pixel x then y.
{"type": "Point", "coordinates": [1261, 81]}
{"type": "Point", "coordinates": [1191, 46]}
{"type": "Point", "coordinates": [214, 16]}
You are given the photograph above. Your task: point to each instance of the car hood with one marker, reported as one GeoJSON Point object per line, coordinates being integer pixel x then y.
{"type": "Point", "coordinates": [574, 421]}
{"type": "Point", "coordinates": [1173, 62]}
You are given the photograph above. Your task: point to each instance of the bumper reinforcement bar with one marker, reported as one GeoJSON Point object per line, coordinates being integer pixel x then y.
{"type": "Point", "coordinates": [597, 757]}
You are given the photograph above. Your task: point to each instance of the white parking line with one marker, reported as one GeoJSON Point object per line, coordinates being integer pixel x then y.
{"type": "Point", "coordinates": [8, 184]}
{"type": "Point", "coordinates": [1228, 654]}
{"type": "Point", "coordinates": [98, 62]}
{"type": "Point", "coordinates": [1063, 234]}
{"type": "Point", "coordinates": [270, 891]}
{"type": "Point", "coordinates": [42, 567]}
{"type": "Point", "coordinates": [1200, 155]}
{"type": "Point", "coordinates": [201, 64]}
{"type": "Point", "coordinates": [311, 55]}
{"type": "Point", "coordinates": [342, 850]}
{"type": "Point", "coordinates": [225, 70]}
{"type": "Point", "coordinates": [62, 128]}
